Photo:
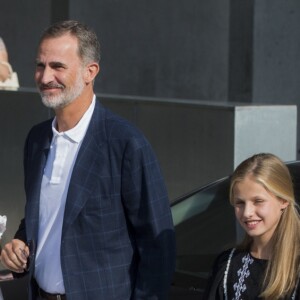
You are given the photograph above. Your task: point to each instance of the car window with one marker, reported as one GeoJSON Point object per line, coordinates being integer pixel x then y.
{"type": "Point", "coordinates": [204, 224]}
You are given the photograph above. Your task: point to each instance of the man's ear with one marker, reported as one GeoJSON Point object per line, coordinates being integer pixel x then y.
{"type": "Point", "coordinates": [91, 72]}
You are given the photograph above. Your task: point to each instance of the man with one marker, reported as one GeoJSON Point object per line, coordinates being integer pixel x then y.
{"type": "Point", "coordinates": [97, 219]}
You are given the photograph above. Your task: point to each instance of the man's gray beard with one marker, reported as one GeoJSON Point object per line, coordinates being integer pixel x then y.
{"type": "Point", "coordinates": [65, 97]}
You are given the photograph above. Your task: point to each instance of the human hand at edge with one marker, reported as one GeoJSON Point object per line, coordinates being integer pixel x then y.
{"type": "Point", "coordinates": [14, 256]}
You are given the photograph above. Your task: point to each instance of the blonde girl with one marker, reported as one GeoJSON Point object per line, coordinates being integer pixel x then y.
{"type": "Point", "coordinates": [266, 264]}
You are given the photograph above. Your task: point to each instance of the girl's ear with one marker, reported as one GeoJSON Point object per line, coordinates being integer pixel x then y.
{"type": "Point", "coordinates": [284, 204]}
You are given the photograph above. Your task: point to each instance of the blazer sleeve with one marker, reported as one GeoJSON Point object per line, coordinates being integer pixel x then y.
{"type": "Point", "coordinates": [21, 232]}
{"type": "Point", "coordinates": [147, 209]}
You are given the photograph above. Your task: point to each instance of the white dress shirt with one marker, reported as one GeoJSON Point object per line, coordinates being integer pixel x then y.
{"type": "Point", "coordinates": [55, 184]}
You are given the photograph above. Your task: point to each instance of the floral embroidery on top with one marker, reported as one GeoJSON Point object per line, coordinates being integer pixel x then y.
{"type": "Point", "coordinates": [240, 286]}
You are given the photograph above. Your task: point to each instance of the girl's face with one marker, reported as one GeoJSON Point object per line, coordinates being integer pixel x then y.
{"type": "Point", "coordinates": [257, 210]}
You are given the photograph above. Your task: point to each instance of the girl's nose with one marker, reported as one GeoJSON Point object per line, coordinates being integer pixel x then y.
{"type": "Point", "coordinates": [248, 210]}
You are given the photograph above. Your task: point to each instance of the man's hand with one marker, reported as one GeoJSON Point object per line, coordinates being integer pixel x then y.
{"type": "Point", "coordinates": [14, 256]}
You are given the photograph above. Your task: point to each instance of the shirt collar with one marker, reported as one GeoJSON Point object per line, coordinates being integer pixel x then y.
{"type": "Point", "coordinates": [77, 133]}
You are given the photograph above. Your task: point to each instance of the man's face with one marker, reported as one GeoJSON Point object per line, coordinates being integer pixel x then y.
{"type": "Point", "coordinates": [59, 71]}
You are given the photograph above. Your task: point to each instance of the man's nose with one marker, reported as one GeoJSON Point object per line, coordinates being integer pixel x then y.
{"type": "Point", "coordinates": [46, 75]}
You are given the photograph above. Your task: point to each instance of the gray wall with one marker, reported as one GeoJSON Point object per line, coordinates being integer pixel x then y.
{"type": "Point", "coordinates": [218, 50]}
{"type": "Point", "coordinates": [276, 54]}
{"type": "Point", "coordinates": [166, 48]}
{"type": "Point", "coordinates": [161, 48]}
{"type": "Point", "coordinates": [214, 50]}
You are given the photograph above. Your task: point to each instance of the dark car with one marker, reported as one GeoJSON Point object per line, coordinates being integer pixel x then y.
{"type": "Point", "coordinates": [205, 225]}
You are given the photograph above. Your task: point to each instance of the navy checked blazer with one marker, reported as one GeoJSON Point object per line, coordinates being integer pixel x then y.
{"type": "Point", "coordinates": [118, 238]}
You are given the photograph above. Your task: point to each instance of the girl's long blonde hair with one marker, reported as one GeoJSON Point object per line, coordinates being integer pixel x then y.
{"type": "Point", "coordinates": [282, 271]}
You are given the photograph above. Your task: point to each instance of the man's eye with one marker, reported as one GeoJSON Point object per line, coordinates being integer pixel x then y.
{"type": "Point", "coordinates": [40, 66]}
{"type": "Point", "coordinates": [58, 66]}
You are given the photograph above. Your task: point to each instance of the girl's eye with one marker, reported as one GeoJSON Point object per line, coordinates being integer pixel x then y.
{"type": "Point", "coordinates": [238, 203]}
{"type": "Point", "coordinates": [258, 201]}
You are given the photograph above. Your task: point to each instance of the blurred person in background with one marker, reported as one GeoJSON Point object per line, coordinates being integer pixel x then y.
{"type": "Point", "coordinates": [4, 70]}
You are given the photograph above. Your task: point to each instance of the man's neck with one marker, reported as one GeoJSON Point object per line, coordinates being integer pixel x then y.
{"type": "Point", "coordinates": [68, 117]}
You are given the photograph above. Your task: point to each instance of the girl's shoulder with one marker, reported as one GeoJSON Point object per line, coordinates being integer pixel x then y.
{"type": "Point", "coordinates": [228, 254]}
{"type": "Point", "coordinates": [215, 280]}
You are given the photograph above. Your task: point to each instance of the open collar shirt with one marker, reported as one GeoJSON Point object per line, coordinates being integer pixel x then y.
{"type": "Point", "coordinates": [54, 189]}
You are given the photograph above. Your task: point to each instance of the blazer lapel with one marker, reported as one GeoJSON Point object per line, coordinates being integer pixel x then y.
{"type": "Point", "coordinates": [38, 157]}
{"type": "Point", "coordinates": [89, 163]}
